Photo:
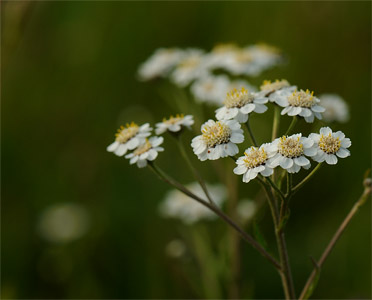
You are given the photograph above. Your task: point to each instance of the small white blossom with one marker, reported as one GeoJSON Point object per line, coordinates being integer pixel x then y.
{"type": "Point", "coordinates": [174, 124]}
{"type": "Point", "coordinates": [129, 137]}
{"type": "Point", "coordinates": [271, 89]}
{"type": "Point", "coordinates": [291, 152]}
{"type": "Point", "coordinates": [255, 161]}
{"type": "Point", "coordinates": [211, 89]}
{"type": "Point", "coordinates": [160, 63]}
{"type": "Point", "coordinates": [148, 151]}
{"type": "Point", "coordinates": [329, 145]}
{"type": "Point", "coordinates": [218, 139]}
{"type": "Point", "coordinates": [336, 109]}
{"type": "Point", "coordinates": [238, 105]}
{"type": "Point", "coordinates": [178, 205]}
{"type": "Point", "coordinates": [246, 209]}
{"type": "Point", "coordinates": [302, 103]}
{"type": "Point", "coordinates": [220, 55]}
{"type": "Point", "coordinates": [190, 67]}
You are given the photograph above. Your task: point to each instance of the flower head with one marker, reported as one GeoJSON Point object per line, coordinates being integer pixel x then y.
{"type": "Point", "coordinates": [174, 124]}
{"type": "Point", "coordinates": [238, 104]}
{"type": "Point", "coordinates": [302, 103]}
{"type": "Point", "coordinates": [291, 151]}
{"type": "Point", "coordinates": [255, 161]}
{"type": "Point", "coordinates": [129, 137]}
{"type": "Point", "coordinates": [177, 205]}
{"type": "Point", "coordinates": [218, 139]}
{"type": "Point", "coordinates": [147, 151]}
{"type": "Point", "coordinates": [160, 63]}
{"type": "Point", "coordinates": [210, 89]}
{"type": "Point", "coordinates": [329, 145]}
{"type": "Point", "coordinates": [336, 109]}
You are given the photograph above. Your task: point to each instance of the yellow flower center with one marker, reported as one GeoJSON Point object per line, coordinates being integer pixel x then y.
{"type": "Point", "coordinates": [329, 144]}
{"type": "Point", "coordinates": [302, 99]}
{"type": "Point", "coordinates": [224, 48]}
{"type": "Point", "coordinates": [267, 85]}
{"type": "Point", "coordinates": [143, 148]}
{"type": "Point", "coordinates": [238, 98]}
{"type": "Point", "coordinates": [290, 147]}
{"type": "Point", "coordinates": [255, 157]}
{"type": "Point", "coordinates": [268, 49]}
{"type": "Point", "coordinates": [218, 133]}
{"type": "Point", "coordinates": [124, 134]}
{"type": "Point", "coordinates": [190, 62]}
{"type": "Point", "coordinates": [173, 120]}
{"type": "Point", "coordinates": [243, 56]}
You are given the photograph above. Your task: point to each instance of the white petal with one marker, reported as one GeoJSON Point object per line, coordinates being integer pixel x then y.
{"type": "Point", "coordinates": [309, 119]}
{"type": "Point", "coordinates": [294, 111]}
{"type": "Point", "coordinates": [305, 112]}
{"type": "Point", "coordinates": [241, 118]}
{"type": "Point", "coordinates": [152, 154]}
{"type": "Point", "coordinates": [301, 161]}
{"type": "Point", "coordinates": [220, 113]}
{"type": "Point", "coordinates": [346, 143]}
{"type": "Point", "coordinates": [310, 151]}
{"type": "Point", "coordinates": [286, 162]}
{"type": "Point", "coordinates": [237, 138]}
{"type": "Point", "coordinates": [133, 143]}
{"type": "Point", "coordinates": [285, 110]}
{"type": "Point", "coordinates": [112, 147]}
{"type": "Point", "coordinates": [260, 108]}
{"type": "Point", "coordinates": [133, 160]}
{"type": "Point", "coordinates": [315, 137]}
{"type": "Point", "coordinates": [306, 142]}
{"type": "Point", "coordinates": [121, 150]}
{"type": "Point", "coordinates": [141, 163]}
{"type": "Point", "coordinates": [267, 171]}
{"type": "Point", "coordinates": [331, 159]}
{"type": "Point", "coordinates": [339, 134]}
{"type": "Point", "coordinates": [318, 108]}
{"type": "Point", "coordinates": [325, 130]}
{"type": "Point", "coordinates": [241, 169]}
{"type": "Point", "coordinates": [342, 152]}
{"type": "Point", "coordinates": [248, 108]}
{"type": "Point", "coordinates": [231, 149]}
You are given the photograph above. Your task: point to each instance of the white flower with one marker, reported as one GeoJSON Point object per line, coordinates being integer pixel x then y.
{"type": "Point", "coordinates": [238, 84]}
{"type": "Point", "coordinates": [264, 56]}
{"type": "Point", "coordinates": [160, 63]}
{"type": "Point", "coordinates": [190, 67]}
{"type": "Point", "coordinates": [178, 205]}
{"type": "Point", "coordinates": [291, 152]}
{"type": "Point", "coordinates": [129, 137]}
{"type": "Point", "coordinates": [238, 104]}
{"type": "Point", "coordinates": [210, 89]}
{"type": "Point", "coordinates": [246, 209]}
{"type": "Point", "coordinates": [219, 56]}
{"type": "Point", "coordinates": [328, 145]}
{"type": "Point", "coordinates": [255, 161]}
{"type": "Point", "coordinates": [302, 103]}
{"type": "Point", "coordinates": [148, 151]}
{"type": "Point", "coordinates": [336, 109]}
{"type": "Point", "coordinates": [218, 139]}
{"type": "Point", "coordinates": [174, 124]}
{"type": "Point", "coordinates": [270, 89]}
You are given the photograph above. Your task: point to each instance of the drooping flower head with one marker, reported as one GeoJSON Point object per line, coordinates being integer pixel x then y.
{"type": "Point", "coordinates": [177, 205]}
{"type": "Point", "coordinates": [254, 162]}
{"type": "Point", "coordinates": [336, 109]}
{"type": "Point", "coordinates": [218, 139]}
{"type": "Point", "coordinates": [147, 151]}
{"type": "Point", "coordinates": [174, 124]}
{"type": "Point", "coordinates": [239, 103]}
{"type": "Point", "coordinates": [291, 151]}
{"type": "Point", "coordinates": [302, 103]}
{"type": "Point", "coordinates": [129, 137]}
{"type": "Point", "coordinates": [329, 145]}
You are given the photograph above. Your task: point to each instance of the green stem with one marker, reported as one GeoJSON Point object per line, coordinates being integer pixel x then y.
{"type": "Point", "coordinates": [275, 187]}
{"type": "Point", "coordinates": [293, 123]}
{"type": "Point", "coordinates": [276, 123]}
{"type": "Point", "coordinates": [193, 169]}
{"type": "Point", "coordinates": [306, 179]}
{"type": "Point", "coordinates": [247, 237]}
{"type": "Point", "coordinates": [251, 136]}
{"type": "Point", "coordinates": [310, 284]}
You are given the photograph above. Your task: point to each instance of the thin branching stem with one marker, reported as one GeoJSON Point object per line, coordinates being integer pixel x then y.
{"type": "Point", "coordinates": [276, 123]}
{"type": "Point", "coordinates": [250, 133]}
{"type": "Point", "coordinates": [306, 292]}
{"type": "Point", "coordinates": [291, 126]}
{"type": "Point", "coordinates": [247, 237]}
{"type": "Point", "coordinates": [306, 179]}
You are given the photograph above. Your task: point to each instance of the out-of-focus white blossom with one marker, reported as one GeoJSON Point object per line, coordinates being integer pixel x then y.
{"type": "Point", "coordinates": [174, 124]}
{"type": "Point", "coordinates": [246, 209]}
{"type": "Point", "coordinates": [177, 205]}
{"type": "Point", "coordinates": [175, 248]}
{"type": "Point", "coordinates": [336, 109]}
{"type": "Point", "coordinates": [211, 89]}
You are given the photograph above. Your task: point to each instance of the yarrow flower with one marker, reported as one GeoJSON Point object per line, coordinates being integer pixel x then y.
{"type": "Point", "coordinates": [270, 89]}
{"type": "Point", "coordinates": [329, 145]}
{"type": "Point", "coordinates": [178, 205]}
{"type": "Point", "coordinates": [238, 104]}
{"type": "Point", "coordinates": [254, 162]}
{"type": "Point", "coordinates": [218, 139]}
{"type": "Point", "coordinates": [174, 124]}
{"type": "Point", "coordinates": [129, 137]}
{"type": "Point", "coordinates": [336, 109]}
{"type": "Point", "coordinates": [302, 103]}
{"type": "Point", "coordinates": [291, 151]}
{"type": "Point", "coordinates": [160, 63]}
{"type": "Point", "coordinates": [210, 88]}
{"type": "Point", "coordinates": [147, 151]}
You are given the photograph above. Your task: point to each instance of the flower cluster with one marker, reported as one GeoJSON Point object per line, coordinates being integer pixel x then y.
{"type": "Point", "coordinates": [197, 67]}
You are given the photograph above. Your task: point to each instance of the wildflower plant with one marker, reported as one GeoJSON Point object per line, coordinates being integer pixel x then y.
{"type": "Point", "coordinates": [281, 165]}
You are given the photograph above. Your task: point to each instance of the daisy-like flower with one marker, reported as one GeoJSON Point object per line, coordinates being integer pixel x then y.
{"type": "Point", "coordinates": [174, 124]}
{"type": "Point", "coordinates": [270, 89]}
{"type": "Point", "coordinates": [218, 139]}
{"type": "Point", "coordinates": [190, 67]}
{"type": "Point", "coordinates": [291, 151]}
{"type": "Point", "coordinates": [238, 104]}
{"type": "Point", "coordinates": [147, 151]}
{"type": "Point", "coordinates": [178, 205]}
{"type": "Point", "coordinates": [220, 55]}
{"type": "Point", "coordinates": [254, 162]}
{"type": "Point", "coordinates": [302, 103]}
{"type": "Point", "coordinates": [129, 137]}
{"type": "Point", "coordinates": [211, 89]}
{"type": "Point", "coordinates": [336, 109]}
{"type": "Point", "coordinates": [328, 145]}
{"type": "Point", "coordinates": [160, 63]}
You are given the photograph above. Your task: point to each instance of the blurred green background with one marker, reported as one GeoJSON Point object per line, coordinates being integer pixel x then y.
{"type": "Point", "coordinates": [69, 80]}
